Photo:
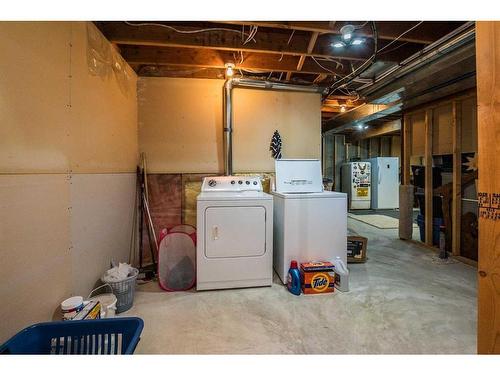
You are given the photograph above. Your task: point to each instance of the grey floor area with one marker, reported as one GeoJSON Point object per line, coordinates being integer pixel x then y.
{"type": "Point", "coordinates": [401, 301]}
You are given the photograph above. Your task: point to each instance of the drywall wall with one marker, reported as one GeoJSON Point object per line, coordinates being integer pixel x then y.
{"type": "Point", "coordinates": [34, 97]}
{"type": "Point", "coordinates": [34, 248]}
{"type": "Point", "coordinates": [180, 125]}
{"type": "Point", "coordinates": [68, 153]}
{"type": "Point", "coordinates": [46, 91]}
{"type": "Point", "coordinates": [258, 113]}
{"type": "Point", "coordinates": [102, 214]}
{"type": "Point", "coordinates": [103, 134]}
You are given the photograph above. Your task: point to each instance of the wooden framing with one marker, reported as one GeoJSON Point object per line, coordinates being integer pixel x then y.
{"type": "Point", "coordinates": [456, 213]}
{"type": "Point", "coordinates": [488, 94]}
{"type": "Point", "coordinates": [429, 191]}
{"type": "Point", "coordinates": [386, 29]}
{"type": "Point", "coordinates": [406, 150]}
{"type": "Point", "coordinates": [302, 59]}
{"type": "Point", "coordinates": [209, 58]}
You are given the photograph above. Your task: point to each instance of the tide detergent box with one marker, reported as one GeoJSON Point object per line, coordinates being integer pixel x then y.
{"type": "Point", "coordinates": [317, 277]}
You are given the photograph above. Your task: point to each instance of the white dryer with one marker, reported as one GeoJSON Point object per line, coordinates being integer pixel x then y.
{"type": "Point", "coordinates": [234, 234]}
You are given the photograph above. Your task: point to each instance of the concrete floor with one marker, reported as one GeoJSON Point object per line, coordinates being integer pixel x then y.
{"type": "Point", "coordinates": [400, 302]}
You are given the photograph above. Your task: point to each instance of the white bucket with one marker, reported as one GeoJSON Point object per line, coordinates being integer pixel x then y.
{"type": "Point", "coordinates": [71, 307]}
{"type": "Point", "coordinates": [107, 300]}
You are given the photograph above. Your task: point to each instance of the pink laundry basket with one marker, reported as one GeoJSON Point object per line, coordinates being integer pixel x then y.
{"type": "Point", "coordinates": [177, 258]}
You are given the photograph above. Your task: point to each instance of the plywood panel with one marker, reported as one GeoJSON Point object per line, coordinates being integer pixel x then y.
{"type": "Point", "coordinates": [418, 134]}
{"type": "Point", "coordinates": [442, 140]}
{"type": "Point", "coordinates": [34, 249]}
{"type": "Point", "coordinates": [469, 125]}
{"type": "Point", "coordinates": [102, 209]}
{"type": "Point", "coordinates": [396, 146]}
{"type": "Point", "coordinates": [34, 96]}
{"type": "Point", "coordinates": [258, 113]}
{"type": "Point", "coordinates": [103, 130]}
{"type": "Point", "coordinates": [180, 124]}
{"type": "Point", "coordinates": [56, 116]}
{"type": "Point", "coordinates": [488, 98]}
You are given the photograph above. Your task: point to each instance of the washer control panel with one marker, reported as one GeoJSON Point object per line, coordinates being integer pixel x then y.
{"type": "Point", "coordinates": [231, 183]}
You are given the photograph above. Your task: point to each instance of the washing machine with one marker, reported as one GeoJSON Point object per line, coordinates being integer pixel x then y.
{"type": "Point", "coordinates": [234, 234]}
{"type": "Point", "coordinates": [309, 224]}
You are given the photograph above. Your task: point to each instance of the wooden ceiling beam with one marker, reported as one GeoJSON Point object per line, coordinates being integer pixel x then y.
{"type": "Point", "coordinates": [302, 58]}
{"type": "Point", "coordinates": [425, 33]}
{"type": "Point", "coordinates": [207, 58]}
{"type": "Point", "coordinates": [266, 42]}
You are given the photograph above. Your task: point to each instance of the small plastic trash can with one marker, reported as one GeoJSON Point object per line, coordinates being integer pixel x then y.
{"type": "Point", "coordinates": [124, 291]}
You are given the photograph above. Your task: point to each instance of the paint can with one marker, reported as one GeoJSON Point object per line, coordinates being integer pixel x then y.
{"type": "Point", "coordinates": [71, 307]}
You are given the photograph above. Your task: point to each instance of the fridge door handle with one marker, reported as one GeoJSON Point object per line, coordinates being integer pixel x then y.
{"type": "Point", "coordinates": [215, 232]}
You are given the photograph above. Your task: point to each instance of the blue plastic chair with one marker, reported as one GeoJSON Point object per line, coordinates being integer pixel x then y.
{"type": "Point", "coordinates": [100, 336]}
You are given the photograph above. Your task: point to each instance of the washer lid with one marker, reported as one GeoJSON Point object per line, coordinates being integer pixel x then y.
{"type": "Point", "coordinates": [324, 194]}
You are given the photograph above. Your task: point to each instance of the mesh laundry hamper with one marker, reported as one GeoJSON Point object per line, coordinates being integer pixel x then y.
{"type": "Point", "coordinates": [177, 258]}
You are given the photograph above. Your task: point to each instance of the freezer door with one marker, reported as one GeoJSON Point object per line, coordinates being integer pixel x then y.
{"type": "Point", "coordinates": [387, 183]}
{"type": "Point", "coordinates": [232, 232]}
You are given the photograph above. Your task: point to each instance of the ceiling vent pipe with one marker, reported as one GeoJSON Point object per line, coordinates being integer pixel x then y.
{"type": "Point", "coordinates": [232, 83]}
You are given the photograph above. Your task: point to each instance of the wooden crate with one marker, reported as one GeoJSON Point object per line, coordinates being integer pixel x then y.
{"type": "Point", "coordinates": [356, 249]}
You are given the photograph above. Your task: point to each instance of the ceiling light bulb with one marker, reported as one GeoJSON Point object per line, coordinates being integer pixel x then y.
{"type": "Point", "coordinates": [357, 41]}
{"type": "Point", "coordinates": [342, 108]}
{"type": "Point", "coordinates": [229, 70]}
{"type": "Point", "coordinates": [366, 127]}
{"type": "Point", "coordinates": [360, 126]}
{"type": "Point", "coordinates": [347, 31]}
{"type": "Point", "coordinates": [338, 44]}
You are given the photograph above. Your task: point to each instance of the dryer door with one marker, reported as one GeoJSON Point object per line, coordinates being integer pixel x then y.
{"type": "Point", "coordinates": [235, 232]}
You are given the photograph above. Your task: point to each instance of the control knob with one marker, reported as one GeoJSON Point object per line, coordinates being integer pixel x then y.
{"type": "Point", "coordinates": [212, 183]}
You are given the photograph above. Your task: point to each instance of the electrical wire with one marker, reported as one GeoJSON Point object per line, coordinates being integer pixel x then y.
{"type": "Point", "coordinates": [253, 31]}
{"type": "Point", "coordinates": [338, 63]}
{"type": "Point", "coordinates": [393, 49]}
{"type": "Point", "coordinates": [287, 43]}
{"type": "Point", "coordinates": [401, 35]}
{"type": "Point", "coordinates": [324, 68]}
{"type": "Point", "coordinates": [194, 31]}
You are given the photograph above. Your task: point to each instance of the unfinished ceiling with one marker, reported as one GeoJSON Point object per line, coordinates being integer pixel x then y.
{"type": "Point", "coordinates": [300, 52]}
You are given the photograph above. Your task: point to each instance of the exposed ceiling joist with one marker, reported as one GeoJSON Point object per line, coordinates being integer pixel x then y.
{"type": "Point", "coordinates": [388, 128]}
{"type": "Point", "coordinates": [270, 42]}
{"type": "Point", "coordinates": [207, 58]}
{"type": "Point", "coordinates": [302, 59]}
{"type": "Point", "coordinates": [424, 34]}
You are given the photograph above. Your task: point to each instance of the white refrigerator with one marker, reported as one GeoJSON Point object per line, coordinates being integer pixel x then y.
{"type": "Point", "coordinates": [385, 182]}
{"type": "Point", "coordinates": [356, 182]}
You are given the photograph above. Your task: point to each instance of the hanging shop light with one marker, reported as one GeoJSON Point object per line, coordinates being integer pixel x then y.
{"type": "Point", "coordinates": [347, 38]}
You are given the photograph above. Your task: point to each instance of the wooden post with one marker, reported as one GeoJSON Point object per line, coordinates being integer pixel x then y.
{"type": "Point", "coordinates": [429, 191]}
{"type": "Point", "coordinates": [488, 126]}
{"type": "Point", "coordinates": [406, 150]}
{"type": "Point", "coordinates": [456, 210]}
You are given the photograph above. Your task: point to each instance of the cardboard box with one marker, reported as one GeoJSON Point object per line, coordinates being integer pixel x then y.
{"type": "Point", "coordinates": [356, 249]}
{"type": "Point", "coordinates": [317, 277]}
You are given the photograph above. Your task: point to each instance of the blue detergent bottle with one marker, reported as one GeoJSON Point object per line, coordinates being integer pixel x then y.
{"type": "Point", "coordinates": [293, 280]}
